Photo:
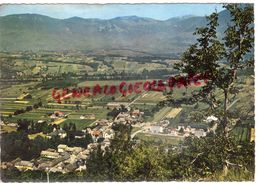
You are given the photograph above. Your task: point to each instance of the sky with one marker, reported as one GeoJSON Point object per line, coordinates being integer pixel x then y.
{"type": "Point", "coordinates": [108, 11]}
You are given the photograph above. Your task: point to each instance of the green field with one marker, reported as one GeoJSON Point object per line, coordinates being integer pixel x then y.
{"type": "Point", "coordinates": [55, 65]}
{"type": "Point", "coordinates": [80, 123]}
{"type": "Point", "coordinates": [161, 114]}
{"type": "Point", "coordinates": [159, 139]}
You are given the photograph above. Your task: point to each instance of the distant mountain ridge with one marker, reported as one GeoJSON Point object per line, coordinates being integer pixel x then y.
{"type": "Point", "coordinates": [35, 32]}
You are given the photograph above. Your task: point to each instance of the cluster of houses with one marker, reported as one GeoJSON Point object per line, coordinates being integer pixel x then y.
{"type": "Point", "coordinates": [130, 117]}
{"type": "Point", "coordinates": [2, 123]}
{"type": "Point", "coordinates": [183, 130]}
{"type": "Point", "coordinates": [103, 130]}
{"type": "Point", "coordinates": [66, 159]}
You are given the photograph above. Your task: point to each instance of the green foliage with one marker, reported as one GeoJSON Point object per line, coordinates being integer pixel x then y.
{"type": "Point", "coordinates": [201, 158]}
{"type": "Point", "coordinates": [205, 57]}
{"type": "Point", "coordinates": [145, 163]}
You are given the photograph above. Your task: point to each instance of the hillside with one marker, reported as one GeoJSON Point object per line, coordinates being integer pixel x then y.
{"type": "Point", "coordinates": [36, 32]}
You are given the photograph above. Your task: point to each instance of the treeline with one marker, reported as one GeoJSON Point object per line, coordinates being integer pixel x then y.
{"type": "Point", "coordinates": [72, 79]}
{"type": "Point", "coordinates": [28, 108]}
{"type": "Point", "coordinates": [145, 74]}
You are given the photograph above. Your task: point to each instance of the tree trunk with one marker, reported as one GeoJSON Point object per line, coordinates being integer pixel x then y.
{"type": "Point", "coordinates": [225, 120]}
{"type": "Point", "coordinates": [225, 170]}
{"type": "Point", "coordinates": [225, 130]}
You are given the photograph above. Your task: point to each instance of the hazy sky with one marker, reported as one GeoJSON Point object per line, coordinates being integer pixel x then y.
{"type": "Point", "coordinates": [156, 11]}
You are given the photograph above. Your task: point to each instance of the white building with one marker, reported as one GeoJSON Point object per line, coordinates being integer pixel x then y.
{"type": "Point", "coordinates": [200, 133]}
{"type": "Point", "coordinates": [156, 129]}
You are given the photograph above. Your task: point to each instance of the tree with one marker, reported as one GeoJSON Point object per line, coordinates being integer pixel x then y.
{"type": "Point", "coordinates": [144, 163]}
{"type": "Point", "coordinates": [181, 130]}
{"type": "Point", "coordinates": [28, 108]}
{"type": "Point", "coordinates": [239, 41]}
{"type": "Point", "coordinates": [65, 127]}
{"type": "Point", "coordinates": [204, 58]}
{"type": "Point", "coordinates": [74, 127]}
{"type": "Point", "coordinates": [23, 125]}
{"type": "Point", "coordinates": [104, 164]}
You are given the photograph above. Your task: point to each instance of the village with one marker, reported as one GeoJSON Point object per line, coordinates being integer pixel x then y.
{"type": "Point", "coordinates": [66, 159]}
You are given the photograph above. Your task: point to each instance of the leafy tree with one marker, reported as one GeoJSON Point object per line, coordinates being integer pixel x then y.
{"type": "Point", "coordinates": [205, 56]}
{"type": "Point", "coordinates": [181, 130]}
{"type": "Point", "coordinates": [104, 164]}
{"type": "Point", "coordinates": [145, 163]}
{"type": "Point", "coordinates": [23, 125]}
{"type": "Point", "coordinates": [65, 127]}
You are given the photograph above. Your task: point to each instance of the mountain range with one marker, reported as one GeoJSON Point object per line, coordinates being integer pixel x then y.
{"type": "Point", "coordinates": [22, 32]}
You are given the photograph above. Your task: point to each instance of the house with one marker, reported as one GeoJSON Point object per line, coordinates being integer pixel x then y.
{"type": "Point", "coordinates": [61, 133]}
{"type": "Point", "coordinates": [2, 122]}
{"type": "Point", "coordinates": [188, 129]}
{"type": "Point", "coordinates": [180, 127]}
{"type": "Point", "coordinates": [73, 149]}
{"type": "Point", "coordinates": [212, 122]}
{"type": "Point", "coordinates": [3, 165]}
{"type": "Point", "coordinates": [92, 146]}
{"type": "Point", "coordinates": [41, 121]}
{"type": "Point", "coordinates": [88, 116]}
{"type": "Point", "coordinates": [81, 168]}
{"type": "Point", "coordinates": [211, 118]}
{"type": "Point", "coordinates": [12, 124]}
{"type": "Point", "coordinates": [79, 134]}
{"type": "Point", "coordinates": [61, 148]}
{"type": "Point", "coordinates": [57, 169]}
{"type": "Point", "coordinates": [104, 144]}
{"type": "Point", "coordinates": [86, 152]}
{"type": "Point", "coordinates": [24, 165]}
{"type": "Point", "coordinates": [136, 113]}
{"type": "Point", "coordinates": [82, 156]}
{"type": "Point", "coordinates": [96, 133]}
{"type": "Point", "coordinates": [174, 132]}
{"type": "Point", "coordinates": [187, 134]}
{"type": "Point", "coordinates": [108, 134]}
{"type": "Point", "coordinates": [72, 159]}
{"type": "Point", "coordinates": [49, 153]}
{"type": "Point", "coordinates": [57, 114]}
{"type": "Point", "coordinates": [77, 149]}
{"type": "Point", "coordinates": [200, 133]}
